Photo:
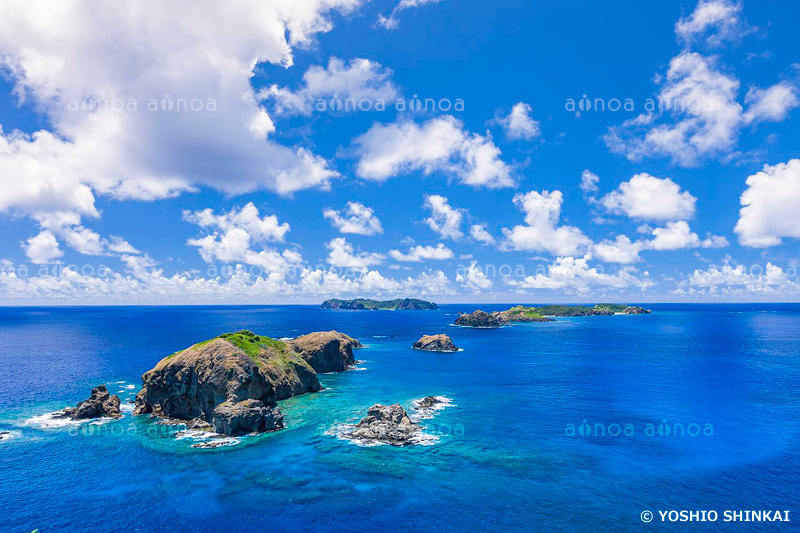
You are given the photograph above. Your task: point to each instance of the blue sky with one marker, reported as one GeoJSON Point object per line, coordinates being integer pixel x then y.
{"type": "Point", "coordinates": [510, 188]}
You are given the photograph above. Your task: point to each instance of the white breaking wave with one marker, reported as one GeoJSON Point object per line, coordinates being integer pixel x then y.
{"type": "Point", "coordinates": [426, 413]}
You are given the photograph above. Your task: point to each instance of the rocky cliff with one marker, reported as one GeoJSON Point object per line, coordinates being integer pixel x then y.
{"type": "Point", "coordinates": [326, 351]}
{"type": "Point", "coordinates": [233, 381]}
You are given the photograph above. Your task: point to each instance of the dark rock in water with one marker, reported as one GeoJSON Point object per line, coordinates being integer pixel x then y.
{"type": "Point", "coordinates": [435, 343]}
{"type": "Point", "coordinates": [231, 383]}
{"type": "Point", "coordinates": [99, 404]}
{"type": "Point", "coordinates": [429, 401]}
{"type": "Point", "coordinates": [479, 319]}
{"type": "Point", "coordinates": [326, 351]}
{"type": "Point", "coordinates": [388, 424]}
{"type": "Point", "coordinates": [4, 435]}
{"type": "Point", "coordinates": [636, 310]}
{"type": "Point", "coordinates": [248, 416]}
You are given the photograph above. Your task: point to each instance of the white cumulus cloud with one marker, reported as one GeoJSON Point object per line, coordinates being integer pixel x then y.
{"type": "Point", "coordinates": [355, 218]}
{"type": "Point", "coordinates": [646, 197]}
{"type": "Point", "coordinates": [439, 145]}
{"type": "Point", "coordinates": [343, 255]}
{"type": "Point", "coordinates": [519, 125]}
{"type": "Point", "coordinates": [445, 219]}
{"type": "Point", "coordinates": [422, 253]}
{"type": "Point", "coordinates": [359, 80]}
{"type": "Point", "coordinates": [770, 206]}
{"type": "Point", "coordinates": [541, 231]}
{"type": "Point", "coordinates": [147, 107]}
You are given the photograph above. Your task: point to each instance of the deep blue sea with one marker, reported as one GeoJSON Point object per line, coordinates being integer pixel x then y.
{"type": "Point", "coordinates": [503, 456]}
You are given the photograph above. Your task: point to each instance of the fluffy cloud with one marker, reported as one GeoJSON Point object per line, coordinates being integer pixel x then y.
{"type": "Point", "coordinates": [355, 218]}
{"type": "Point", "coordinates": [714, 21]}
{"type": "Point", "coordinates": [149, 118]}
{"type": "Point", "coordinates": [392, 21]}
{"type": "Point", "coordinates": [542, 232]}
{"type": "Point", "coordinates": [706, 116]}
{"type": "Point", "coordinates": [673, 236]}
{"type": "Point", "coordinates": [519, 125]}
{"type": "Point", "coordinates": [358, 80]}
{"type": "Point", "coordinates": [699, 115]}
{"type": "Point", "coordinates": [646, 197]}
{"type": "Point", "coordinates": [481, 234]}
{"type": "Point", "coordinates": [421, 253]}
{"type": "Point", "coordinates": [770, 105]}
{"type": "Point", "coordinates": [261, 229]}
{"type": "Point", "coordinates": [731, 281]}
{"type": "Point", "coordinates": [343, 255]}
{"type": "Point", "coordinates": [438, 145]}
{"type": "Point", "coordinates": [67, 226]}
{"type": "Point", "coordinates": [231, 235]}
{"type": "Point", "coordinates": [589, 181]}
{"type": "Point", "coordinates": [42, 248]}
{"type": "Point", "coordinates": [574, 274]}
{"type": "Point", "coordinates": [445, 219]}
{"type": "Point", "coordinates": [677, 236]}
{"type": "Point", "coordinates": [473, 278]}
{"type": "Point", "coordinates": [770, 206]}
{"type": "Point", "coordinates": [620, 250]}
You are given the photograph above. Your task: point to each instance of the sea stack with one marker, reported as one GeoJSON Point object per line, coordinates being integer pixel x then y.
{"type": "Point", "coordinates": [435, 343]}
{"type": "Point", "coordinates": [99, 404]}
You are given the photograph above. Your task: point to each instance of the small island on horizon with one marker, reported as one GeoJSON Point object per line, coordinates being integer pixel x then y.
{"type": "Point", "coordinates": [521, 313]}
{"type": "Point", "coordinates": [366, 304]}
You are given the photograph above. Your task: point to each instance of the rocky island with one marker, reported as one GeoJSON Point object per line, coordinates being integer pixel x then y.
{"type": "Point", "coordinates": [99, 404]}
{"type": "Point", "coordinates": [363, 304]}
{"type": "Point", "coordinates": [479, 319]}
{"type": "Point", "coordinates": [231, 383]}
{"type": "Point", "coordinates": [387, 424]}
{"type": "Point", "coordinates": [521, 313]}
{"type": "Point", "coordinates": [435, 343]}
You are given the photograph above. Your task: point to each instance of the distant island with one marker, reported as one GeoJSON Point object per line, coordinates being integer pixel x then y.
{"type": "Point", "coordinates": [364, 304]}
{"type": "Point", "coordinates": [521, 313]}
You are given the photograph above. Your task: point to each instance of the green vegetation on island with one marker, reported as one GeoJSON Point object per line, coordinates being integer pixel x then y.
{"type": "Point", "coordinates": [365, 304]}
{"type": "Point", "coordinates": [521, 313]}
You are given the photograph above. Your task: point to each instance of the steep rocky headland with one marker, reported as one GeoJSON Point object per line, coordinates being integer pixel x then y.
{"type": "Point", "coordinates": [233, 381]}
{"type": "Point", "coordinates": [363, 304]}
{"type": "Point", "coordinates": [435, 343]}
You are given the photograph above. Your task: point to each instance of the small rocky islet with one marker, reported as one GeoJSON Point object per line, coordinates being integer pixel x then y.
{"type": "Point", "coordinates": [521, 313]}
{"type": "Point", "coordinates": [100, 404]}
{"type": "Point", "coordinates": [435, 343]}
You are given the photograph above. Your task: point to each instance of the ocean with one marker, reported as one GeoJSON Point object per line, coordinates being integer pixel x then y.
{"type": "Point", "coordinates": [583, 424]}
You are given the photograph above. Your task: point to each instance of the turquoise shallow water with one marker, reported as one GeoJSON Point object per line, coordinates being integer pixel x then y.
{"type": "Point", "coordinates": [504, 458]}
